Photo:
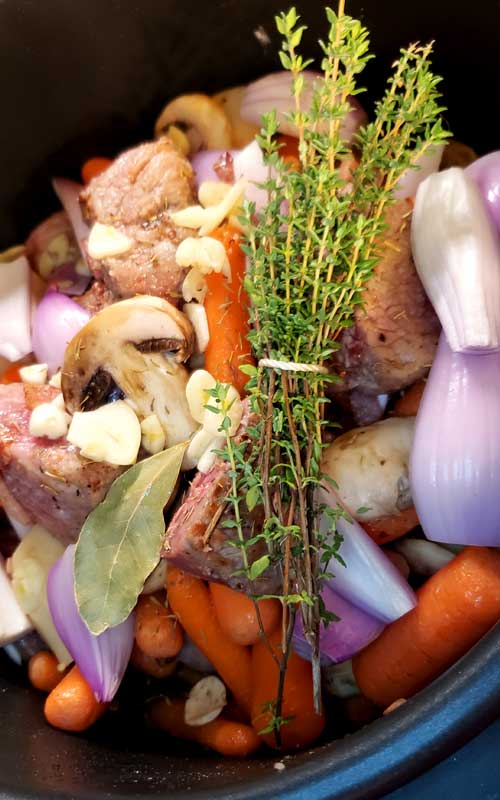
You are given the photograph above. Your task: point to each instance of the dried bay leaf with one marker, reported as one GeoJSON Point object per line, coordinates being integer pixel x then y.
{"type": "Point", "coordinates": [120, 541]}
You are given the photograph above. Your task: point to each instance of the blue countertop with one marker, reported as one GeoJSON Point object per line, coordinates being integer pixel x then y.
{"type": "Point", "coordinates": [473, 773]}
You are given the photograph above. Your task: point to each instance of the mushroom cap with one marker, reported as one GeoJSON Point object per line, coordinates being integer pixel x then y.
{"type": "Point", "coordinates": [206, 125]}
{"type": "Point", "coordinates": [113, 347]}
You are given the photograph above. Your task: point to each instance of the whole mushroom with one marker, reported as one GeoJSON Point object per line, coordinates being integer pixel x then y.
{"type": "Point", "coordinates": [136, 349]}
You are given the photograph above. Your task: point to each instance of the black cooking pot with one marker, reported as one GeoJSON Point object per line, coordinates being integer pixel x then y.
{"type": "Point", "coordinates": [87, 78]}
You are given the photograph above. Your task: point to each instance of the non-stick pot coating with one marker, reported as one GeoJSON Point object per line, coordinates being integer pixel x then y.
{"type": "Point", "coordinates": [87, 78]}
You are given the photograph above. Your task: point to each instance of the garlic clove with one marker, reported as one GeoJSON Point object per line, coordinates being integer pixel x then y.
{"type": "Point", "coordinates": [231, 407]}
{"type": "Point", "coordinates": [153, 435]}
{"type": "Point", "coordinates": [111, 433]}
{"type": "Point", "coordinates": [48, 420]}
{"type": "Point", "coordinates": [197, 316]}
{"type": "Point", "coordinates": [105, 241]}
{"type": "Point", "coordinates": [205, 702]}
{"type": "Point", "coordinates": [197, 388]}
{"type": "Point", "coordinates": [198, 445]}
{"type": "Point", "coordinates": [207, 459]}
{"type": "Point", "coordinates": [34, 374]}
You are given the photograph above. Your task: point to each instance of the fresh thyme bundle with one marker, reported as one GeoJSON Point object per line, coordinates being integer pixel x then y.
{"type": "Point", "coordinates": [310, 254]}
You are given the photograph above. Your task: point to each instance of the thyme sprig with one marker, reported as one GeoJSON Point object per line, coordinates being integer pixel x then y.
{"type": "Point", "coordinates": [311, 252]}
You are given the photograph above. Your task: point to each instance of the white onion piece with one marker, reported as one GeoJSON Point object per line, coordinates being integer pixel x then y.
{"type": "Point", "coordinates": [57, 319]}
{"type": "Point", "coordinates": [485, 172]}
{"type": "Point", "coordinates": [274, 92]}
{"type": "Point", "coordinates": [203, 164]}
{"type": "Point", "coordinates": [368, 580]}
{"type": "Point", "coordinates": [15, 309]}
{"type": "Point", "coordinates": [425, 165]}
{"type": "Point", "coordinates": [249, 164]}
{"type": "Point", "coordinates": [339, 640]}
{"type": "Point", "coordinates": [424, 558]}
{"type": "Point", "coordinates": [68, 193]}
{"type": "Point", "coordinates": [455, 460]}
{"type": "Point", "coordinates": [102, 659]}
{"type": "Point", "coordinates": [14, 623]}
{"type": "Point", "coordinates": [457, 256]}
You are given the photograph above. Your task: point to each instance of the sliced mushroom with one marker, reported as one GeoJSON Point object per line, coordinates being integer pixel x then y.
{"type": "Point", "coordinates": [201, 118]}
{"type": "Point", "coordinates": [242, 132]}
{"type": "Point", "coordinates": [137, 345]}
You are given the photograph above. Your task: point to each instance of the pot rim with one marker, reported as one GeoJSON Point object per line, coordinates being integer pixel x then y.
{"type": "Point", "coordinates": [383, 756]}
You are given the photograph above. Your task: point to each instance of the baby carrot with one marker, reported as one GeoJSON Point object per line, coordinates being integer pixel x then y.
{"type": "Point", "coordinates": [43, 672]}
{"type": "Point", "coordinates": [11, 374]}
{"type": "Point", "coordinates": [408, 404]}
{"type": "Point", "coordinates": [289, 150]}
{"type": "Point", "coordinates": [160, 668]}
{"type": "Point", "coordinates": [226, 306]}
{"type": "Point", "coordinates": [94, 167]}
{"type": "Point", "coordinates": [237, 615]}
{"type": "Point", "coordinates": [456, 606]}
{"type": "Point", "coordinates": [386, 529]}
{"type": "Point", "coordinates": [190, 600]}
{"type": "Point", "coordinates": [72, 706]}
{"type": "Point", "coordinates": [157, 631]}
{"type": "Point", "coordinates": [227, 737]}
{"type": "Point", "coordinates": [303, 725]}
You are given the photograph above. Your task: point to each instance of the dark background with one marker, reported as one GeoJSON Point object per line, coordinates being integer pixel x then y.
{"type": "Point", "coordinates": [87, 77]}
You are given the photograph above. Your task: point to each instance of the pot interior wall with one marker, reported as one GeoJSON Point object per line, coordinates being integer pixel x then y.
{"type": "Point", "coordinates": [80, 79]}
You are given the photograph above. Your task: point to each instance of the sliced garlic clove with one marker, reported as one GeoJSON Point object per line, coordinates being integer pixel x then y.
{"type": "Point", "coordinates": [205, 702]}
{"type": "Point", "coordinates": [211, 193]}
{"type": "Point", "coordinates": [205, 253]}
{"type": "Point", "coordinates": [111, 433]}
{"type": "Point", "coordinates": [197, 316]}
{"type": "Point", "coordinates": [197, 387]}
{"type": "Point", "coordinates": [105, 241]}
{"type": "Point", "coordinates": [194, 286]}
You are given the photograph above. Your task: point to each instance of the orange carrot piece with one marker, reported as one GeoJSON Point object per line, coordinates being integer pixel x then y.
{"type": "Point", "coordinates": [304, 725]}
{"type": "Point", "coordinates": [11, 374]}
{"type": "Point", "coordinates": [227, 737]}
{"type": "Point", "coordinates": [226, 306]}
{"type": "Point", "coordinates": [157, 631]}
{"type": "Point", "coordinates": [386, 529]}
{"type": "Point", "coordinates": [43, 671]}
{"type": "Point", "coordinates": [408, 404]}
{"type": "Point", "coordinates": [456, 606]}
{"type": "Point", "coordinates": [94, 167]}
{"type": "Point", "coordinates": [160, 668]}
{"type": "Point", "coordinates": [289, 150]}
{"type": "Point", "coordinates": [190, 600]}
{"type": "Point", "coordinates": [237, 615]}
{"type": "Point", "coordinates": [72, 706]}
